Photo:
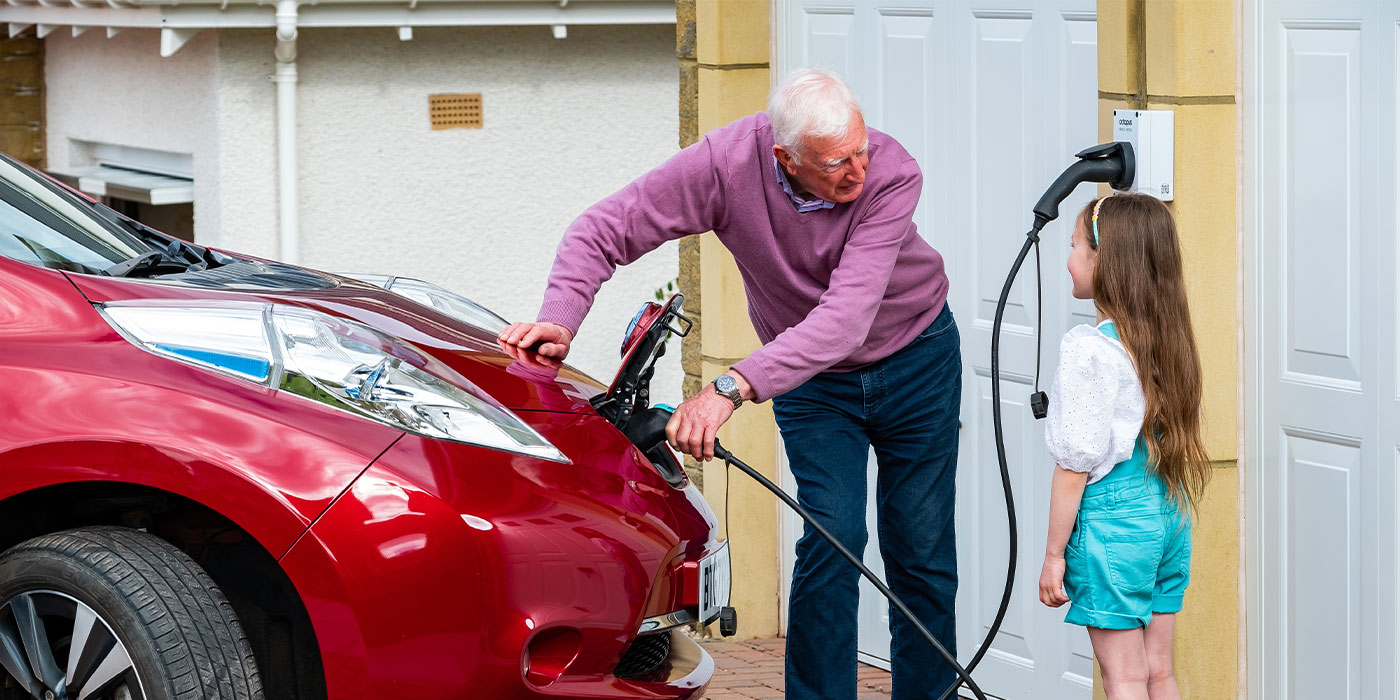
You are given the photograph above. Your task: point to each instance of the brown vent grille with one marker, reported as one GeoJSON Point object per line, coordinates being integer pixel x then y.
{"type": "Point", "coordinates": [455, 111]}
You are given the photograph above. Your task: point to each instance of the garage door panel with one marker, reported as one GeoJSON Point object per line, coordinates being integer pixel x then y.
{"type": "Point", "coordinates": [1322, 98]}
{"type": "Point", "coordinates": [1330, 411]}
{"type": "Point", "coordinates": [1077, 43]}
{"type": "Point", "coordinates": [1079, 672]}
{"type": "Point", "coordinates": [907, 60]}
{"type": "Point", "coordinates": [908, 79]}
{"type": "Point", "coordinates": [826, 36]}
{"type": "Point", "coordinates": [1013, 643]}
{"type": "Point", "coordinates": [1324, 522]}
{"type": "Point", "coordinates": [993, 533]}
{"type": "Point", "coordinates": [1006, 155]}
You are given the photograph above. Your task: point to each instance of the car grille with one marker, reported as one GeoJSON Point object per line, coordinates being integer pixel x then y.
{"type": "Point", "coordinates": [644, 657]}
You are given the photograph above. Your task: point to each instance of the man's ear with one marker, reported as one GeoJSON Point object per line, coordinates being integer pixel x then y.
{"type": "Point", "coordinates": [785, 158]}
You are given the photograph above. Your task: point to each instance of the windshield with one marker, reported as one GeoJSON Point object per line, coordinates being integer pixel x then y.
{"type": "Point", "coordinates": [42, 224]}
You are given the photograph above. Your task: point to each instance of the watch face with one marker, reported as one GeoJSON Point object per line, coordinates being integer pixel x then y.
{"type": "Point", "coordinates": [725, 382]}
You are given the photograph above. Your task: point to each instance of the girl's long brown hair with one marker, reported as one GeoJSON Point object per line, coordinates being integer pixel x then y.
{"type": "Point", "coordinates": [1139, 284]}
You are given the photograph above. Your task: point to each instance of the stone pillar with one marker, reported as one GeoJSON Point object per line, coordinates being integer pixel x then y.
{"type": "Point", "coordinates": [723, 48]}
{"type": "Point", "coordinates": [22, 99]}
{"type": "Point", "coordinates": [1181, 55]}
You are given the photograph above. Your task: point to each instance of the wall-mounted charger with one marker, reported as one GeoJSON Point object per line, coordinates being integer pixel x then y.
{"type": "Point", "coordinates": [1150, 131]}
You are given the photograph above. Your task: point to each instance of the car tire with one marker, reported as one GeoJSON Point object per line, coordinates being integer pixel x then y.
{"type": "Point", "coordinates": [149, 622]}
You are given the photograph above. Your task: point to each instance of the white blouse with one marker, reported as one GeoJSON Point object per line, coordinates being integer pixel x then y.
{"type": "Point", "coordinates": [1096, 404]}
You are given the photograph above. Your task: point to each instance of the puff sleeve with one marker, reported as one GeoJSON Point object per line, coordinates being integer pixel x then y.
{"type": "Point", "coordinates": [1084, 401]}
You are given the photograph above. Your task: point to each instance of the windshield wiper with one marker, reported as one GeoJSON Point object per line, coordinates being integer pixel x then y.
{"type": "Point", "coordinates": [172, 255]}
{"type": "Point", "coordinates": [140, 262]}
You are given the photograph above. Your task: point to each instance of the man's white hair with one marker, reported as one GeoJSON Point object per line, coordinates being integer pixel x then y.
{"type": "Point", "coordinates": [810, 103]}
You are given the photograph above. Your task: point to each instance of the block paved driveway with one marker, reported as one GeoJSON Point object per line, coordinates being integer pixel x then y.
{"type": "Point", "coordinates": [753, 670]}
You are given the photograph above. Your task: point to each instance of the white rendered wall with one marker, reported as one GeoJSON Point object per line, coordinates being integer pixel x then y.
{"type": "Point", "coordinates": [120, 91]}
{"type": "Point", "coordinates": [480, 212]}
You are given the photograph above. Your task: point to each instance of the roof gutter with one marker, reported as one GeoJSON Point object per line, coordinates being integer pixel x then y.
{"type": "Point", "coordinates": [180, 21]}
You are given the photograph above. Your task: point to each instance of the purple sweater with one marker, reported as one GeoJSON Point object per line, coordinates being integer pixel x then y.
{"type": "Point", "coordinates": [834, 289]}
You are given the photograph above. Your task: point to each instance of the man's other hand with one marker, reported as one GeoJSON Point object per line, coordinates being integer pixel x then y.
{"type": "Point", "coordinates": [538, 344]}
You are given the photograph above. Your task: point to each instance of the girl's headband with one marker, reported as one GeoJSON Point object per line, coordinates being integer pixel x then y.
{"type": "Point", "coordinates": [1095, 218]}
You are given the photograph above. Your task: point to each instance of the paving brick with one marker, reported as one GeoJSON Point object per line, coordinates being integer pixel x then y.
{"type": "Point", "coordinates": [753, 670]}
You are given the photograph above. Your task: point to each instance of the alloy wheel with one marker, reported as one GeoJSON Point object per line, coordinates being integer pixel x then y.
{"type": "Point", "coordinates": [55, 647]}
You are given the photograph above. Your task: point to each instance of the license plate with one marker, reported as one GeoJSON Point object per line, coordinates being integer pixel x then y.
{"type": "Point", "coordinates": [714, 583]}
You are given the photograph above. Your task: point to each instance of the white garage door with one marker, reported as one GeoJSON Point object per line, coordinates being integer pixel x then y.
{"type": "Point", "coordinates": [1322, 490]}
{"type": "Point", "coordinates": [993, 99]}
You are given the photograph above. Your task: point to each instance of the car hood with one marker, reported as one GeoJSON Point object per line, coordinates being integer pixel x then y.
{"type": "Point", "coordinates": [469, 350]}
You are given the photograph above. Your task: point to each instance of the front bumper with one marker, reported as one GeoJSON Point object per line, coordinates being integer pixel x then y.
{"type": "Point", "coordinates": [450, 571]}
{"type": "Point", "coordinates": [679, 669]}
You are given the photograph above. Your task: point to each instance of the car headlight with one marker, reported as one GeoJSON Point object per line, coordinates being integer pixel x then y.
{"type": "Point", "coordinates": [433, 296]}
{"type": "Point", "coordinates": [332, 360]}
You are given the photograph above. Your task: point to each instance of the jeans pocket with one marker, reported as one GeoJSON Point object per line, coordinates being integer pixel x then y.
{"type": "Point", "coordinates": [1185, 559]}
{"type": "Point", "coordinates": [941, 324]}
{"type": "Point", "coordinates": [1075, 567]}
{"type": "Point", "coordinates": [1133, 558]}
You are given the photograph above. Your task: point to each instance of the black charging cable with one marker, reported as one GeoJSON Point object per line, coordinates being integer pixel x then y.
{"type": "Point", "coordinates": [1038, 399]}
{"type": "Point", "coordinates": [964, 674]}
{"type": "Point", "coordinates": [1032, 240]}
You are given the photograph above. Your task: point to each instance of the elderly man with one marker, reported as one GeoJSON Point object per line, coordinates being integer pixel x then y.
{"type": "Point", "coordinates": [859, 351]}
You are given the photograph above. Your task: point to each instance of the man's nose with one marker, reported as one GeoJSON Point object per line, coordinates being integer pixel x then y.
{"type": "Point", "coordinates": [856, 173]}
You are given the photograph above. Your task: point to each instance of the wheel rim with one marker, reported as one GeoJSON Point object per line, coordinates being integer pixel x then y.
{"type": "Point", "coordinates": [55, 647]}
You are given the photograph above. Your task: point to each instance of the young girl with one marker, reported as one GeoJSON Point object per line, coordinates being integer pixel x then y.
{"type": "Point", "coordinates": [1124, 430]}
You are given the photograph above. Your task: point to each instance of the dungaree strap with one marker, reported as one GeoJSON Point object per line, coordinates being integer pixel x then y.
{"type": "Point", "coordinates": [1133, 469]}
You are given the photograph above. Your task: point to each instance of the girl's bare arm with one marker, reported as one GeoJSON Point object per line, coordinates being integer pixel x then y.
{"type": "Point", "coordinates": [1066, 490]}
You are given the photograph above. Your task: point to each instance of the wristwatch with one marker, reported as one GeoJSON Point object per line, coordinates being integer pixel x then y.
{"type": "Point", "coordinates": [727, 387]}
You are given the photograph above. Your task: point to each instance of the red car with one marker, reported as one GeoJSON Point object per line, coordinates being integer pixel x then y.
{"type": "Point", "coordinates": [223, 477]}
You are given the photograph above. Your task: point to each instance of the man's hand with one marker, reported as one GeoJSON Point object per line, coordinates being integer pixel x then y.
{"type": "Point", "coordinates": [1052, 581]}
{"type": "Point", "coordinates": [537, 344]}
{"type": "Point", "coordinates": [692, 427]}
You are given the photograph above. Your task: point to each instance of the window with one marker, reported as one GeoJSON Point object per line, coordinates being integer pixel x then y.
{"type": "Point", "coordinates": [153, 187]}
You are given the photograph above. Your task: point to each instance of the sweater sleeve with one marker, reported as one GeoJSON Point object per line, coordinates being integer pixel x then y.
{"type": "Point", "coordinates": [678, 198]}
{"type": "Point", "coordinates": [840, 322]}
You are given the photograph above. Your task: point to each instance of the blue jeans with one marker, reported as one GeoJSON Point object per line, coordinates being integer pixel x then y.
{"type": "Point", "coordinates": [906, 407]}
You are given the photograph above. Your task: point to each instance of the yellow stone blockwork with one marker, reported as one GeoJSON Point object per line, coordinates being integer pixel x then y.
{"type": "Point", "coordinates": [1191, 47]}
{"type": "Point", "coordinates": [1207, 629]}
{"type": "Point", "coordinates": [733, 42]}
{"type": "Point", "coordinates": [1106, 107]}
{"type": "Point", "coordinates": [726, 95]}
{"type": "Point", "coordinates": [1120, 46]}
{"type": "Point", "coordinates": [728, 333]}
{"type": "Point", "coordinates": [1205, 210]}
{"type": "Point", "coordinates": [752, 514]}
{"type": "Point", "coordinates": [732, 32]}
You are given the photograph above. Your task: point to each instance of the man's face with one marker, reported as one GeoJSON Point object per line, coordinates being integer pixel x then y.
{"type": "Point", "coordinates": [831, 168]}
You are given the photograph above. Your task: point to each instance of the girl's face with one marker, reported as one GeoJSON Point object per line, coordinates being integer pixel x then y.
{"type": "Point", "coordinates": [1081, 262]}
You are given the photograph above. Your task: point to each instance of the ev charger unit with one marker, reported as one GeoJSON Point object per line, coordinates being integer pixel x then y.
{"type": "Point", "coordinates": [1150, 133]}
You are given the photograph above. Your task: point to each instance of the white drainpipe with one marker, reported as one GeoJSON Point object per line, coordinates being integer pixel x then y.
{"type": "Point", "coordinates": [286, 78]}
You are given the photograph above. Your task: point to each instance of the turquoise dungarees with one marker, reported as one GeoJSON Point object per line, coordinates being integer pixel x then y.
{"type": "Point", "coordinates": [1130, 553]}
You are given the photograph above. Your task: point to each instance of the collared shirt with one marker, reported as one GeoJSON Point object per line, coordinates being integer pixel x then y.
{"type": "Point", "coordinates": [803, 205]}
